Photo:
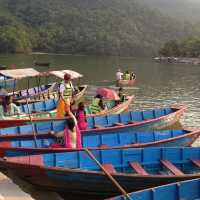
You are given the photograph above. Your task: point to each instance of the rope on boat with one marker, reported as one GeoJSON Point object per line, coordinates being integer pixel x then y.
{"type": "Point", "coordinates": [119, 187]}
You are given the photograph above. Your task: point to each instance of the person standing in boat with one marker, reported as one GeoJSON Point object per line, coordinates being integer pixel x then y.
{"type": "Point", "coordinates": [71, 137]}
{"type": "Point", "coordinates": [8, 108]}
{"type": "Point", "coordinates": [121, 95]}
{"type": "Point", "coordinates": [67, 93]}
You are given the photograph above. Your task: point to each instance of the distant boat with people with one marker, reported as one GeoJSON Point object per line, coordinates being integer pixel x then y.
{"type": "Point", "coordinates": [125, 79]}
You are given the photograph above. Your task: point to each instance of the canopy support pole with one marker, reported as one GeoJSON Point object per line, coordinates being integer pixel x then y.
{"type": "Point", "coordinates": [33, 127]}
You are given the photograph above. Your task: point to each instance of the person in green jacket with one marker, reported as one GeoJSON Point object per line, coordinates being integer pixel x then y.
{"type": "Point", "coordinates": [7, 108]}
{"type": "Point", "coordinates": [97, 104]}
{"type": "Point", "coordinates": [127, 75]}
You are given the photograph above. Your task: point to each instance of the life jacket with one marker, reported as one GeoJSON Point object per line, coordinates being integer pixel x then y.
{"type": "Point", "coordinates": [67, 140]}
{"type": "Point", "coordinates": [127, 76]}
{"type": "Point", "coordinates": [68, 91]}
{"type": "Point", "coordinates": [94, 107]}
{"type": "Point", "coordinates": [81, 119]}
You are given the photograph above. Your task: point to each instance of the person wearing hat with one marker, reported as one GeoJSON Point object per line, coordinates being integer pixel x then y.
{"type": "Point", "coordinates": [8, 108]}
{"type": "Point", "coordinates": [67, 92]}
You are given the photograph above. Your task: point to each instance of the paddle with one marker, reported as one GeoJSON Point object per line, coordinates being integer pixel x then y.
{"type": "Point", "coordinates": [33, 127]}
{"type": "Point", "coordinates": [119, 187]}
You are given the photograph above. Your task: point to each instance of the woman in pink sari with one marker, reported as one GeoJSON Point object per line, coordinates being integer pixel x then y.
{"type": "Point", "coordinates": [71, 136]}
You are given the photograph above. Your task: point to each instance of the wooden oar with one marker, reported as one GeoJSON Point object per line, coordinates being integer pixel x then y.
{"type": "Point", "coordinates": [33, 127]}
{"type": "Point", "coordinates": [119, 187]}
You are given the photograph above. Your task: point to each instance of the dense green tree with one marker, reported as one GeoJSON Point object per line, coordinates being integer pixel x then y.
{"type": "Point", "coordinates": [111, 27]}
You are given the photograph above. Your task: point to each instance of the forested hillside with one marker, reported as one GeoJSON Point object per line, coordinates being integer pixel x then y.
{"type": "Point", "coordinates": [180, 9]}
{"type": "Point", "coordinates": [110, 27]}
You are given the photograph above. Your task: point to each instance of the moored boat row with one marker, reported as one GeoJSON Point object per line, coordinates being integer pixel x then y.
{"type": "Point", "coordinates": [34, 145]}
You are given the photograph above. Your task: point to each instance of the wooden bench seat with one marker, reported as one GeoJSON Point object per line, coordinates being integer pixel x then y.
{"type": "Point", "coordinates": [99, 126]}
{"type": "Point", "coordinates": [109, 168]}
{"type": "Point", "coordinates": [196, 162]}
{"type": "Point", "coordinates": [172, 168]}
{"type": "Point", "coordinates": [103, 146]}
{"type": "Point", "coordinates": [138, 168]}
{"type": "Point", "coordinates": [118, 124]}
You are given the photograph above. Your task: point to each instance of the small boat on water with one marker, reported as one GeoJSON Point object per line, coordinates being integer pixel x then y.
{"type": "Point", "coordinates": [78, 173]}
{"type": "Point", "coordinates": [22, 119]}
{"type": "Point", "coordinates": [40, 142]}
{"type": "Point", "coordinates": [126, 83]}
{"type": "Point", "coordinates": [184, 190]}
{"type": "Point", "coordinates": [9, 77]}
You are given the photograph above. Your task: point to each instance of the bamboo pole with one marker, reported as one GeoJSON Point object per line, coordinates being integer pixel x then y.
{"type": "Point", "coordinates": [33, 127]}
{"type": "Point", "coordinates": [119, 187]}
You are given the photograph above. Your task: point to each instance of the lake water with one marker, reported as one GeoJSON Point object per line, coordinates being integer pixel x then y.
{"type": "Point", "coordinates": [157, 84]}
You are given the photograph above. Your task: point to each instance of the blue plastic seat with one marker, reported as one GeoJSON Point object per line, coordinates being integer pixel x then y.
{"type": "Point", "coordinates": [161, 135]}
{"type": "Point", "coordinates": [26, 129]}
{"type": "Point", "coordinates": [28, 108]}
{"type": "Point", "coordinates": [58, 125]}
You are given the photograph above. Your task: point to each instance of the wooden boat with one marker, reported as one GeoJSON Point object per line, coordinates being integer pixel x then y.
{"type": "Point", "coordinates": [156, 119]}
{"type": "Point", "coordinates": [112, 107]}
{"type": "Point", "coordinates": [37, 93]}
{"type": "Point", "coordinates": [134, 169]}
{"type": "Point", "coordinates": [21, 119]}
{"type": "Point", "coordinates": [185, 190]}
{"type": "Point", "coordinates": [29, 144]}
{"type": "Point", "coordinates": [9, 78]}
{"type": "Point", "coordinates": [45, 97]}
{"type": "Point", "coordinates": [125, 83]}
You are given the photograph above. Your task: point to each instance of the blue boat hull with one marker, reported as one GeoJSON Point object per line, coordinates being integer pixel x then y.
{"type": "Point", "coordinates": [186, 190]}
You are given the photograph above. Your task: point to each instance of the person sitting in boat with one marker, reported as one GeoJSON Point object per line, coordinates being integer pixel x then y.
{"type": "Point", "coordinates": [133, 76]}
{"type": "Point", "coordinates": [127, 75]}
{"type": "Point", "coordinates": [71, 137]}
{"type": "Point", "coordinates": [121, 95]}
{"type": "Point", "coordinates": [81, 116]}
{"type": "Point", "coordinates": [8, 108]}
{"type": "Point", "coordinates": [97, 104]}
{"type": "Point", "coordinates": [119, 75]}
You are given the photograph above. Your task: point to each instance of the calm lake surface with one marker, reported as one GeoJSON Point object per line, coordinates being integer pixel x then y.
{"type": "Point", "coordinates": [157, 84]}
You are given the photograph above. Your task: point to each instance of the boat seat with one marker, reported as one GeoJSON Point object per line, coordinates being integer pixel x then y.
{"type": "Point", "coordinates": [99, 126]}
{"type": "Point", "coordinates": [172, 168]}
{"type": "Point", "coordinates": [103, 146]}
{"type": "Point", "coordinates": [132, 122]}
{"type": "Point", "coordinates": [138, 168]}
{"type": "Point", "coordinates": [118, 124]}
{"type": "Point", "coordinates": [196, 162]}
{"type": "Point", "coordinates": [109, 168]}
